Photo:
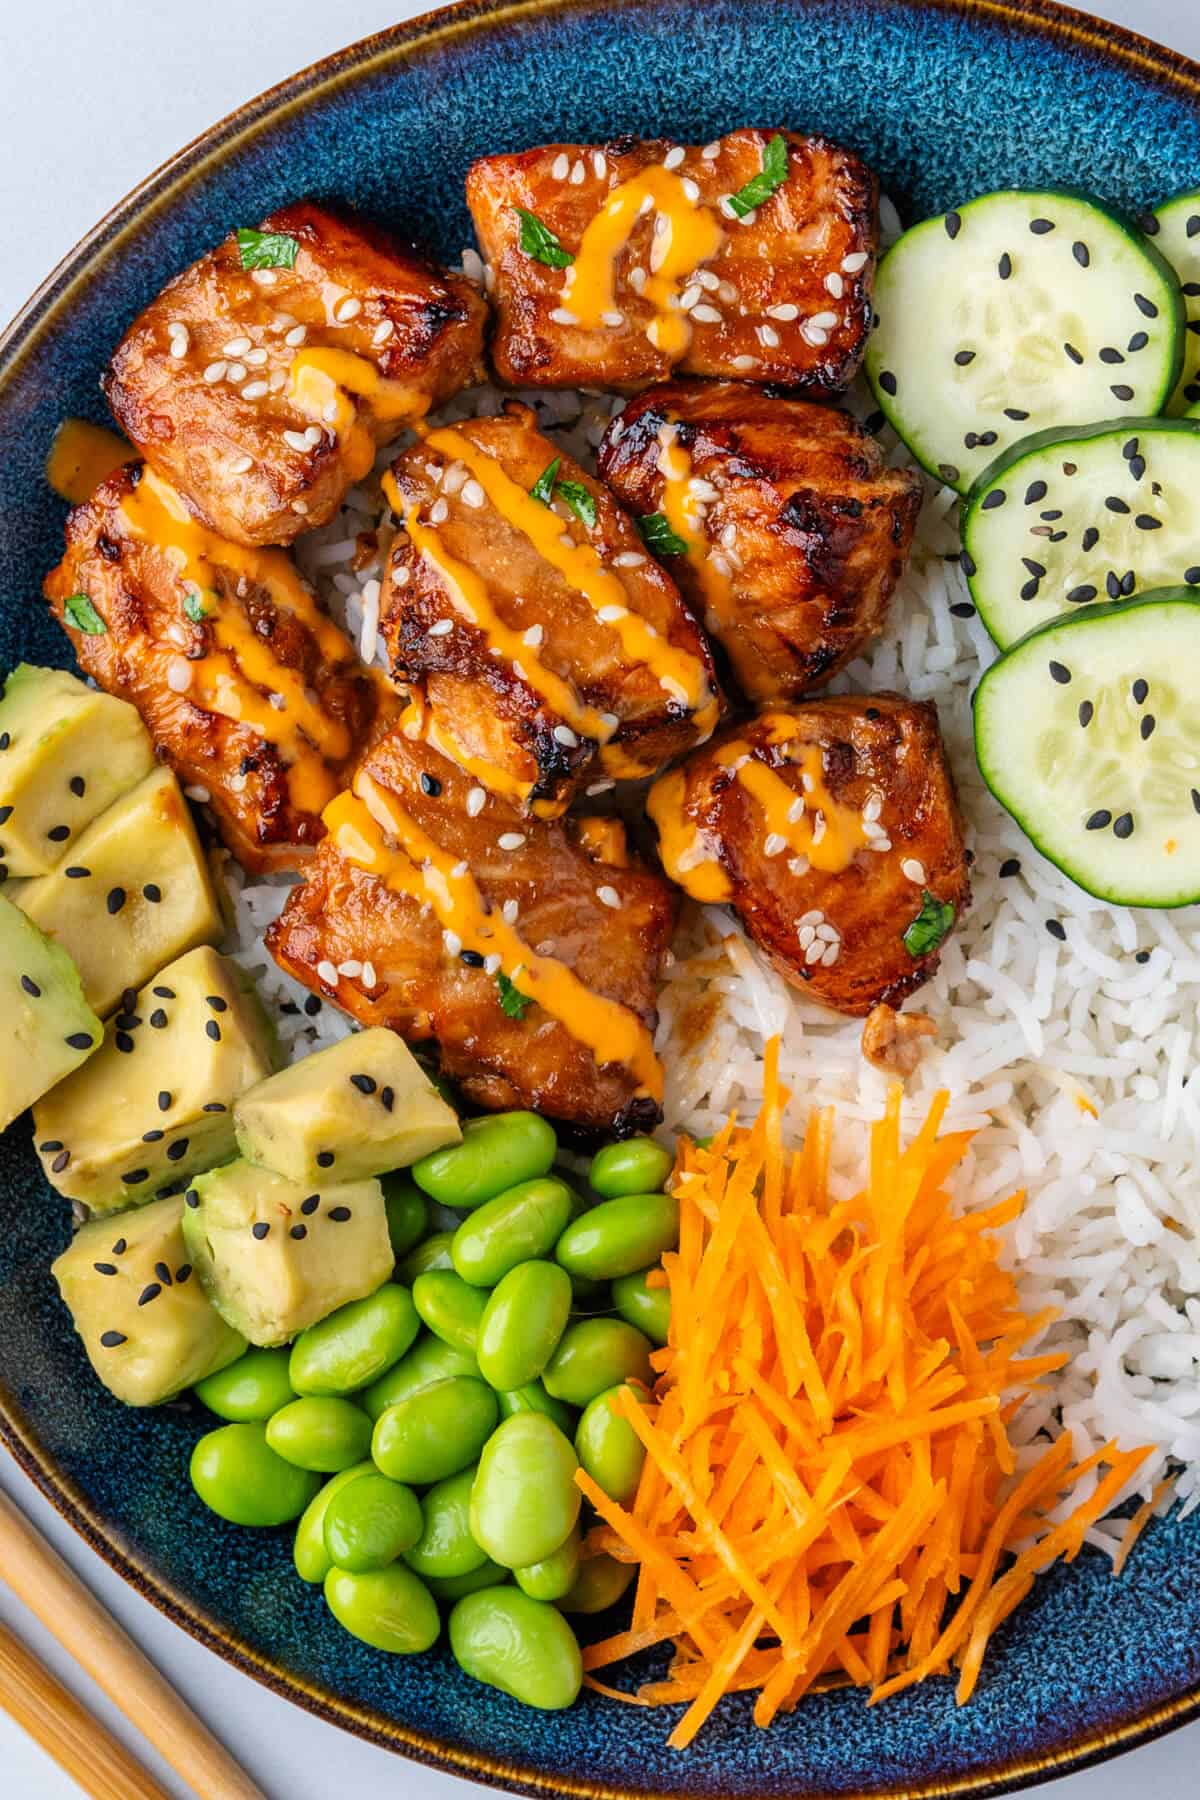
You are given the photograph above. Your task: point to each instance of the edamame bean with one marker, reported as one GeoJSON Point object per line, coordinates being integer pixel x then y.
{"type": "Point", "coordinates": [555, 1575]}
{"type": "Point", "coordinates": [320, 1433]}
{"type": "Point", "coordinates": [240, 1478]}
{"type": "Point", "coordinates": [390, 1609]}
{"type": "Point", "coordinates": [450, 1306]}
{"type": "Point", "coordinates": [407, 1212]}
{"type": "Point", "coordinates": [609, 1448]}
{"type": "Point", "coordinates": [523, 1222]}
{"type": "Point", "coordinates": [649, 1308]}
{"type": "Point", "coordinates": [309, 1554]}
{"type": "Point", "coordinates": [522, 1322]}
{"type": "Point", "coordinates": [436, 1431]}
{"type": "Point", "coordinates": [449, 1588]}
{"type": "Point", "coordinates": [599, 1584]}
{"type": "Point", "coordinates": [354, 1345]}
{"type": "Point", "coordinates": [431, 1253]}
{"type": "Point", "coordinates": [428, 1361]}
{"type": "Point", "coordinates": [532, 1397]}
{"type": "Point", "coordinates": [253, 1387]}
{"type": "Point", "coordinates": [445, 1547]}
{"type": "Point", "coordinates": [594, 1354]}
{"type": "Point", "coordinates": [495, 1153]}
{"type": "Point", "coordinates": [619, 1237]}
{"type": "Point", "coordinates": [523, 1647]}
{"type": "Point", "coordinates": [370, 1523]}
{"type": "Point", "coordinates": [524, 1500]}
{"type": "Point", "coordinates": [637, 1166]}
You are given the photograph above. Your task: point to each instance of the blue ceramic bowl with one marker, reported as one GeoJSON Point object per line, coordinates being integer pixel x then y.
{"type": "Point", "coordinates": [945, 100]}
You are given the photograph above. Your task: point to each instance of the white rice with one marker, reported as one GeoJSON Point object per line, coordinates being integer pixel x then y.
{"type": "Point", "coordinates": [1033, 1033]}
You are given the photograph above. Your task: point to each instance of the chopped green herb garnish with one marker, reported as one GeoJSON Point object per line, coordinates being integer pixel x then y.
{"type": "Point", "coordinates": [543, 487]}
{"type": "Point", "coordinates": [512, 1001]}
{"type": "Point", "coordinates": [83, 616]}
{"type": "Point", "coordinates": [194, 607]}
{"type": "Point", "coordinates": [266, 249]}
{"type": "Point", "coordinates": [658, 536]}
{"type": "Point", "coordinates": [760, 187]}
{"type": "Point", "coordinates": [930, 925]}
{"type": "Point", "coordinates": [581, 502]}
{"type": "Point", "coordinates": [539, 242]}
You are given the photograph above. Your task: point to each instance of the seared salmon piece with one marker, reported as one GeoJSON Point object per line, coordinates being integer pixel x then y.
{"type": "Point", "coordinates": [263, 379]}
{"type": "Point", "coordinates": [832, 831]}
{"type": "Point", "coordinates": [528, 950]}
{"type": "Point", "coordinates": [613, 264]}
{"type": "Point", "coordinates": [551, 650]}
{"type": "Point", "coordinates": [780, 521]}
{"type": "Point", "coordinates": [251, 693]}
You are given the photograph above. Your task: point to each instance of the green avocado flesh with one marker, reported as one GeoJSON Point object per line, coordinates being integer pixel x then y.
{"type": "Point", "coordinates": [146, 1324]}
{"type": "Point", "coordinates": [275, 1256]}
{"type": "Point", "coordinates": [155, 1104]}
{"type": "Point", "coordinates": [47, 1028]}
{"type": "Point", "coordinates": [68, 753]}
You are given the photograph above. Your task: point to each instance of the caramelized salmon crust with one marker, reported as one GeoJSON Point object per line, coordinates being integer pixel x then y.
{"type": "Point", "coordinates": [552, 651]}
{"type": "Point", "coordinates": [248, 689]}
{"type": "Point", "coordinates": [263, 393]}
{"type": "Point", "coordinates": [832, 831]}
{"type": "Point", "coordinates": [427, 889]}
{"type": "Point", "coordinates": [793, 532]}
{"type": "Point", "coordinates": [648, 266]}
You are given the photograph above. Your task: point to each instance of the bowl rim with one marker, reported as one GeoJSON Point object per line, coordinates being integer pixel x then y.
{"type": "Point", "coordinates": [20, 339]}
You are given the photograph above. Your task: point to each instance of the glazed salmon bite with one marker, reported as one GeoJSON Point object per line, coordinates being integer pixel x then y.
{"type": "Point", "coordinates": [751, 257]}
{"type": "Point", "coordinates": [263, 379]}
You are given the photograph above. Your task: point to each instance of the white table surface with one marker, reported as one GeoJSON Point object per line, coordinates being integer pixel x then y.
{"type": "Point", "coordinates": [93, 95]}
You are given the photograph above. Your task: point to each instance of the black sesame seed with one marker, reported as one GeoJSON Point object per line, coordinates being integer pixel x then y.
{"type": "Point", "coordinates": [997, 497]}
{"type": "Point", "coordinates": [1112, 584]}
{"type": "Point", "coordinates": [987, 438]}
{"type": "Point", "coordinates": [165, 993]}
{"type": "Point", "coordinates": [1015, 412]}
{"type": "Point", "coordinates": [1146, 307]}
{"type": "Point", "coordinates": [387, 1095]}
{"type": "Point", "coordinates": [325, 1159]}
{"type": "Point", "coordinates": [77, 872]}
{"type": "Point", "coordinates": [310, 1204]}
{"type": "Point", "coordinates": [1140, 339]}
{"type": "Point", "coordinates": [1034, 492]}
{"type": "Point", "coordinates": [970, 439]}
{"type": "Point", "coordinates": [1109, 355]}
{"type": "Point", "coordinates": [31, 987]}
{"type": "Point", "coordinates": [366, 1084]}
{"type": "Point", "coordinates": [178, 1150]}
{"type": "Point", "coordinates": [964, 358]}
{"type": "Point", "coordinates": [164, 1100]}
{"type": "Point", "coordinates": [60, 1162]}
{"type": "Point", "coordinates": [1121, 390]}
{"type": "Point", "coordinates": [1123, 828]}
{"type": "Point", "coordinates": [1081, 254]}
{"type": "Point", "coordinates": [212, 1030]}
{"type": "Point", "coordinates": [1081, 594]}
{"type": "Point", "coordinates": [312, 1005]}
{"type": "Point", "coordinates": [124, 1042]}
{"type": "Point", "coordinates": [953, 224]}
{"type": "Point", "coordinates": [966, 563]}
{"type": "Point", "coordinates": [1058, 537]}
{"type": "Point", "coordinates": [1057, 930]}
{"type": "Point", "coordinates": [216, 1002]}
{"type": "Point", "coordinates": [191, 1198]}
{"type": "Point", "coordinates": [152, 892]}
{"type": "Point", "coordinates": [49, 1145]}
{"type": "Point", "coordinates": [1073, 353]}
{"type": "Point", "coordinates": [214, 1106]}
{"type": "Point", "coordinates": [1061, 673]}
{"type": "Point", "coordinates": [110, 1339]}
{"type": "Point", "coordinates": [158, 1018]}
{"type": "Point", "coordinates": [135, 1177]}
{"type": "Point", "coordinates": [1091, 538]}
{"type": "Point", "coordinates": [1004, 266]}
{"type": "Point", "coordinates": [183, 1273]}
{"type": "Point", "coordinates": [1192, 575]}
{"type": "Point", "coordinates": [298, 1231]}
{"type": "Point", "coordinates": [115, 899]}
{"type": "Point", "coordinates": [80, 1040]}
{"type": "Point", "coordinates": [339, 1214]}
{"type": "Point", "coordinates": [430, 785]}
{"type": "Point", "coordinates": [1087, 713]}
{"type": "Point", "coordinates": [1148, 725]}
{"type": "Point", "coordinates": [948, 472]}
{"type": "Point", "coordinates": [150, 1292]}
{"type": "Point", "coordinates": [962, 609]}
{"type": "Point", "coordinates": [105, 1268]}
{"type": "Point", "coordinates": [1128, 583]}
{"type": "Point", "coordinates": [1029, 590]}
{"type": "Point", "coordinates": [1100, 821]}
{"type": "Point", "coordinates": [1035, 568]}
{"type": "Point", "coordinates": [120, 1247]}
{"type": "Point", "coordinates": [887, 382]}
{"type": "Point", "coordinates": [260, 1230]}
{"type": "Point", "coordinates": [78, 786]}
{"type": "Point", "coordinates": [1115, 504]}
{"type": "Point", "coordinates": [5, 814]}
{"type": "Point", "coordinates": [1009, 867]}
{"type": "Point", "coordinates": [1142, 956]}
{"type": "Point", "coordinates": [1141, 690]}
{"type": "Point", "coordinates": [58, 834]}
{"type": "Point", "coordinates": [163, 1273]}
{"type": "Point", "coordinates": [472, 958]}
{"type": "Point", "coordinates": [1196, 800]}
{"type": "Point", "coordinates": [5, 739]}
{"type": "Point", "coordinates": [1053, 513]}
{"type": "Point", "coordinates": [1145, 522]}
{"type": "Point", "coordinates": [153, 1137]}
{"type": "Point", "coordinates": [1193, 225]}
{"type": "Point", "coordinates": [1040, 227]}
{"type": "Point", "coordinates": [873, 421]}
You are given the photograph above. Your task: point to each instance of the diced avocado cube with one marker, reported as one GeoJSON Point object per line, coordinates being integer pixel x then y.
{"type": "Point", "coordinates": [145, 1321]}
{"type": "Point", "coordinates": [362, 1107]}
{"type": "Point", "coordinates": [134, 892]}
{"type": "Point", "coordinates": [275, 1256]}
{"type": "Point", "coordinates": [47, 1027]}
{"type": "Point", "coordinates": [68, 752]}
{"type": "Point", "coordinates": [156, 1103]}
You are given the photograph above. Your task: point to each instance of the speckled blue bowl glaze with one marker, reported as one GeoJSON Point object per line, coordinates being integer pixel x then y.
{"type": "Point", "coordinates": [945, 101]}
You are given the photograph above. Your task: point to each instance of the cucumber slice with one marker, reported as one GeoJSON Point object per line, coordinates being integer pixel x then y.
{"type": "Point", "coordinates": [1088, 733]}
{"type": "Point", "coordinates": [1067, 518]}
{"type": "Point", "coordinates": [1178, 237]}
{"type": "Point", "coordinates": [1018, 312]}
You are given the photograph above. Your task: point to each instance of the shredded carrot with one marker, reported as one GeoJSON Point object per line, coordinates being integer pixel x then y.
{"type": "Point", "coordinates": [828, 1450]}
{"type": "Point", "coordinates": [1140, 1520]}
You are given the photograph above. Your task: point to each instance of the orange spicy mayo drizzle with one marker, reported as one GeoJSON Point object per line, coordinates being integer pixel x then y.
{"type": "Point", "coordinates": [360, 823]}
{"type": "Point", "coordinates": [679, 673]}
{"type": "Point", "coordinates": [80, 457]}
{"type": "Point", "coordinates": [228, 680]}
{"type": "Point", "coordinates": [320, 382]}
{"type": "Point", "coordinates": [689, 235]}
{"type": "Point", "coordinates": [811, 824]}
{"type": "Point", "coordinates": [681, 511]}
{"type": "Point", "coordinates": [687, 855]}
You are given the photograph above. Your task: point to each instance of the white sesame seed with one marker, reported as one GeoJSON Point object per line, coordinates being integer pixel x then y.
{"type": "Point", "coordinates": [563, 734]}
{"type": "Point", "coordinates": [511, 840]}
{"type": "Point", "coordinates": [327, 973]}
{"type": "Point", "coordinates": [476, 801]}
{"type": "Point", "coordinates": [637, 278]}
{"type": "Point", "coordinates": [301, 507]}
{"type": "Point", "coordinates": [577, 172]}
{"type": "Point", "coordinates": [472, 265]}
{"type": "Point", "coordinates": [785, 312]}
{"type": "Point", "coordinates": [347, 308]}
{"type": "Point", "coordinates": [491, 964]}
{"type": "Point", "coordinates": [706, 314]}
{"type": "Point", "coordinates": [255, 390]}
{"type": "Point", "coordinates": [691, 189]}
{"type": "Point", "coordinates": [749, 218]}
{"type": "Point", "coordinates": [443, 628]}
{"type": "Point", "coordinates": [179, 674]}
{"type": "Point", "coordinates": [835, 285]}
{"type": "Point", "coordinates": [561, 316]}
{"type": "Point", "coordinates": [812, 334]}
{"type": "Point", "coordinates": [913, 871]}
{"type": "Point", "coordinates": [873, 807]}
{"type": "Point", "coordinates": [215, 372]}
{"type": "Point", "coordinates": [383, 331]}
{"type": "Point", "coordinates": [795, 811]}
{"type": "Point", "coordinates": [198, 793]}
{"type": "Point", "coordinates": [824, 321]}
{"type": "Point", "coordinates": [608, 615]}
{"type": "Point", "coordinates": [702, 490]}
{"type": "Point", "coordinates": [708, 280]}
{"type": "Point", "coordinates": [473, 495]}
{"type": "Point", "coordinates": [459, 869]}
{"type": "Point", "coordinates": [831, 955]}
{"type": "Point", "coordinates": [533, 636]}
{"type": "Point", "coordinates": [775, 845]}
{"type": "Point", "coordinates": [744, 362]}
{"type": "Point", "coordinates": [510, 912]}
{"type": "Point", "coordinates": [609, 720]}
{"type": "Point", "coordinates": [612, 319]}
{"type": "Point", "coordinates": [598, 787]}
{"type": "Point", "coordinates": [237, 371]}
{"type": "Point", "coordinates": [767, 334]}
{"type": "Point", "coordinates": [296, 336]}
{"type": "Point", "coordinates": [628, 559]}
{"type": "Point", "coordinates": [452, 941]}
{"type": "Point", "coordinates": [674, 157]}
{"type": "Point", "coordinates": [560, 168]}
{"type": "Point", "coordinates": [438, 511]}
{"type": "Point", "coordinates": [180, 341]}
{"type": "Point", "coordinates": [240, 465]}
{"type": "Point", "coordinates": [805, 936]}
{"type": "Point", "coordinates": [296, 440]}
{"type": "Point", "coordinates": [818, 830]}
{"type": "Point", "coordinates": [255, 358]}
{"type": "Point", "coordinates": [350, 967]}
{"type": "Point", "coordinates": [726, 292]}
{"type": "Point", "coordinates": [368, 974]}
{"type": "Point", "coordinates": [331, 412]}
{"type": "Point", "coordinates": [599, 164]}
{"type": "Point", "coordinates": [690, 296]}
{"type": "Point", "coordinates": [853, 263]}
{"type": "Point", "coordinates": [236, 346]}
{"type": "Point", "coordinates": [264, 277]}
{"type": "Point", "coordinates": [829, 933]}
{"type": "Point", "coordinates": [880, 845]}
{"type": "Point", "coordinates": [454, 477]}
{"type": "Point", "coordinates": [314, 434]}
{"type": "Point", "coordinates": [798, 866]}
{"type": "Point", "coordinates": [608, 896]}
{"type": "Point", "coordinates": [815, 952]}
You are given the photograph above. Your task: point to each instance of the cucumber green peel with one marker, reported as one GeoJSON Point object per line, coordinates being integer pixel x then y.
{"type": "Point", "coordinates": [1087, 732]}
{"type": "Point", "coordinates": [1178, 237]}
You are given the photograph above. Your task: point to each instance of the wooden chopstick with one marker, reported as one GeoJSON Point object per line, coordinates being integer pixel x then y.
{"type": "Point", "coordinates": [55, 1595]}
{"type": "Point", "coordinates": [80, 1744]}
